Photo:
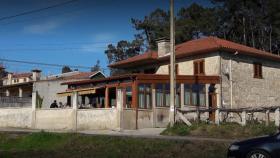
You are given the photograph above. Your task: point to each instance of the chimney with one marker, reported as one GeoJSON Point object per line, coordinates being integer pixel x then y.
{"type": "Point", "coordinates": [10, 76]}
{"type": "Point", "coordinates": [163, 46]}
{"type": "Point", "coordinates": [36, 74]}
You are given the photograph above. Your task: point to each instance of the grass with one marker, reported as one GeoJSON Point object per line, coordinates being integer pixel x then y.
{"type": "Point", "coordinates": [225, 130]}
{"type": "Point", "coordinates": [54, 145]}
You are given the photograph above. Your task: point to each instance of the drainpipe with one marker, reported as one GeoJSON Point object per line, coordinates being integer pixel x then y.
{"type": "Point", "coordinates": [230, 82]}
{"type": "Point", "coordinates": [221, 81]}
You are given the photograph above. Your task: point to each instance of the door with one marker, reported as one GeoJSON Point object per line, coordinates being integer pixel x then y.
{"type": "Point", "coordinates": [212, 104]}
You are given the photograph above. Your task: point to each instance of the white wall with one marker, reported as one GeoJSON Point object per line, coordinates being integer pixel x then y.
{"type": "Point", "coordinates": [48, 90]}
{"type": "Point", "coordinates": [55, 119]}
{"type": "Point", "coordinates": [97, 119]}
{"type": "Point", "coordinates": [212, 64]}
{"type": "Point", "coordinates": [16, 117]}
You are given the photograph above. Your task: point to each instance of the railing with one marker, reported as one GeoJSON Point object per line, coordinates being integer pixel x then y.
{"type": "Point", "coordinates": [243, 114]}
{"type": "Point", "coordinates": [15, 102]}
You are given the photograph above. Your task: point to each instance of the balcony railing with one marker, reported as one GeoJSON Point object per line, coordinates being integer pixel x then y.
{"type": "Point", "coordinates": [15, 102]}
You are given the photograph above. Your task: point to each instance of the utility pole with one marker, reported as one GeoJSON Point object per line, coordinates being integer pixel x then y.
{"type": "Point", "coordinates": [172, 66]}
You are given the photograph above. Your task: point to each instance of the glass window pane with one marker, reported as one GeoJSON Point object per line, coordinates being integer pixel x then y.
{"type": "Point", "coordinates": [159, 95]}
{"type": "Point", "coordinates": [128, 95]}
{"type": "Point", "coordinates": [202, 99]}
{"type": "Point", "coordinates": [187, 94]}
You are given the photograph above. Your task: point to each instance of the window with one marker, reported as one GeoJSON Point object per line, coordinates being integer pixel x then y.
{"type": "Point", "coordinates": [176, 69]}
{"type": "Point", "coordinates": [24, 79]}
{"type": "Point", "coordinates": [163, 95]}
{"type": "Point", "coordinates": [144, 96]}
{"type": "Point", "coordinates": [198, 67]}
{"type": "Point", "coordinates": [258, 70]}
{"type": "Point", "coordinates": [194, 95]}
{"type": "Point", "coordinates": [187, 94]}
{"type": "Point", "coordinates": [128, 97]}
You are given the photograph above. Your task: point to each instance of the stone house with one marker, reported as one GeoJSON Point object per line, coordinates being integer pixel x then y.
{"type": "Point", "coordinates": [48, 87]}
{"type": "Point", "coordinates": [210, 73]}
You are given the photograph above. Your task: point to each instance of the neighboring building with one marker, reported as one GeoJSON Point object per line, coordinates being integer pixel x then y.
{"type": "Point", "coordinates": [211, 72]}
{"type": "Point", "coordinates": [19, 84]}
{"type": "Point", "coordinates": [48, 87]}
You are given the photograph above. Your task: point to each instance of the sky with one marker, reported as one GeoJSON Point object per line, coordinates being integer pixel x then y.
{"type": "Point", "coordinates": [72, 34]}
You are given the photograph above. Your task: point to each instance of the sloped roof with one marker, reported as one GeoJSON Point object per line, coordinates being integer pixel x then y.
{"type": "Point", "coordinates": [20, 75]}
{"type": "Point", "coordinates": [74, 76]}
{"type": "Point", "coordinates": [145, 58]}
{"type": "Point", "coordinates": [196, 47]}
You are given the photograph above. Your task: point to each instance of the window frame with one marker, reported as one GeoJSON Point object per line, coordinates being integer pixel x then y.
{"type": "Point", "coordinates": [199, 67]}
{"type": "Point", "coordinates": [191, 91]}
{"type": "Point", "coordinates": [176, 69]}
{"type": "Point", "coordinates": [145, 92]}
{"type": "Point", "coordinates": [257, 69]}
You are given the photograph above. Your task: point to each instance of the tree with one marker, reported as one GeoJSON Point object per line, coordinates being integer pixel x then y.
{"type": "Point", "coordinates": [123, 50]}
{"type": "Point", "coordinates": [251, 22]}
{"type": "Point", "coordinates": [96, 67]}
{"type": "Point", "coordinates": [255, 23]}
{"type": "Point", "coordinates": [66, 69]}
{"type": "Point", "coordinates": [152, 27]}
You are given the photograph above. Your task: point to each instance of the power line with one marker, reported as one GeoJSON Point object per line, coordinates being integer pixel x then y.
{"type": "Point", "coordinates": [68, 43]}
{"type": "Point", "coordinates": [45, 16]}
{"type": "Point", "coordinates": [46, 49]}
{"type": "Point", "coordinates": [36, 10]}
{"type": "Point", "coordinates": [44, 64]}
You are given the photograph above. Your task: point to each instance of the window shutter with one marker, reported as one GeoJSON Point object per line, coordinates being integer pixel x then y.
{"type": "Point", "coordinates": [201, 67]}
{"type": "Point", "coordinates": [177, 69]}
{"type": "Point", "coordinates": [261, 75]}
{"type": "Point", "coordinates": [195, 67]}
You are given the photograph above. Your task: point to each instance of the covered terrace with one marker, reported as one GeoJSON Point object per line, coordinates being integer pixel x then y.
{"type": "Point", "coordinates": [143, 99]}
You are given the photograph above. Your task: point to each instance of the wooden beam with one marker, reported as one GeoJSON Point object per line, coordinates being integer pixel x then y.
{"type": "Point", "coordinates": [134, 94]}
{"type": "Point", "coordinates": [184, 119]}
{"type": "Point", "coordinates": [107, 98]}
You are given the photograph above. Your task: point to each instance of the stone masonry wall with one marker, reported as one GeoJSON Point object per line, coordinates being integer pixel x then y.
{"type": "Point", "coordinates": [247, 90]}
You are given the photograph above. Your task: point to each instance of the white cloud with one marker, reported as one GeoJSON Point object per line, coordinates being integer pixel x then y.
{"type": "Point", "coordinates": [42, 28]}
{"type": "Point", "coordinates": [104, 37]}
{"type": "Point", "coordinates": [96, 48]}
{"type": "Point", "coordinates": [100, 42]}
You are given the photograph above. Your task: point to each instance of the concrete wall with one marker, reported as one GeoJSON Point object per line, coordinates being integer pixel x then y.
{"type": "Point", "coordinates": [129, 119]}
{"type": "Point", "coordinates": [212, 64]}
{"type": "Point", "coordinates": [247, 90]}
{"type": "Point", "coordinates": [16, 117]}
{"type": "Point", "coordinates": [55, 119]}
{"type": "Point", "coordinates": [161, 117]}
{"type": "Point", "coordinates": [145, 118]}
{"type": "Point", "coordinates": [97, 119]}
{"type": "Point", "coordinates": [48, 90]}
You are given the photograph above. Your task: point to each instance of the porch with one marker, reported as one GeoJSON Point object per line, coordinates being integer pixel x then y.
{"type": "Point", "coordinates": [142, 100]}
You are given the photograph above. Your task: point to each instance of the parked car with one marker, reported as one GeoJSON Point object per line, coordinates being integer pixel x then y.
{"type": "Point", "coordinates": [261, 147]}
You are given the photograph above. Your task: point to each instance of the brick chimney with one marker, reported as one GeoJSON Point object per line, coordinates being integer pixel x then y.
{"type": "Point", "coordinates": [163, 46]}
{"type": "Point", "coordinates": [36, 74]}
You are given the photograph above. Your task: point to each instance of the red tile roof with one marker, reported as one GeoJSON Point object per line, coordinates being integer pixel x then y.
{"type": "Point", "coordinates": [80, 75]}
{"type": "Point", "coordinates": [145, 58]}
{"type": "Point", "coordinates": [75, 76]}
{"type": "Point", "coordinates": [196, 47]}
{"type": "Point", "coordinates": [20, 75]}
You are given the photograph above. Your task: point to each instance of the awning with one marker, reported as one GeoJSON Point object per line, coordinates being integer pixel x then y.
{"type": "Point", "coordinates": [80, 92]}
{"type": "Point", "coordinates": [64, 94]}
{"type": "Point", "coordinates": [86, 91]}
